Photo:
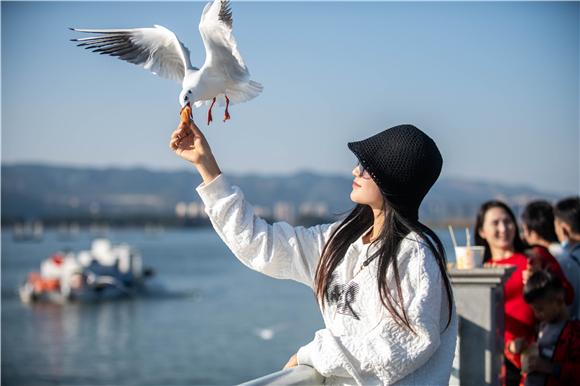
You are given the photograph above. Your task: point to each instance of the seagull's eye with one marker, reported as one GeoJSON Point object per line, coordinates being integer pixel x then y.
{"type": "Point", "coordinates": [189, 92]}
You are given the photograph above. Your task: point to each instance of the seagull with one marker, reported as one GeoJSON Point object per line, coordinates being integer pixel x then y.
{"type": "Point", "coordinates": [223, 77]}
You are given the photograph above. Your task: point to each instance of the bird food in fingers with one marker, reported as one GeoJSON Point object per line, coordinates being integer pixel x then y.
{"type": "Point", "coordinates": [186, 115]}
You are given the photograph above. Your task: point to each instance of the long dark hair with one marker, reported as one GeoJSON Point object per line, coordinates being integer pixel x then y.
{"type": "Point", "coordinates": [518, 244]}
{"type": "Point", "coordinates": [395, 228]}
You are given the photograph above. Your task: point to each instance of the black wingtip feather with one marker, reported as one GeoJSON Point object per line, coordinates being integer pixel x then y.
{"type": "Point", "coordinates": [225, 14]}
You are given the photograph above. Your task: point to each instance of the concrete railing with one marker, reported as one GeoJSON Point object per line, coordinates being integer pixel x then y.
{"type": "Point", "coordinates": [479, 298]}
{"type": "Point", "coordinates": [299, 375]}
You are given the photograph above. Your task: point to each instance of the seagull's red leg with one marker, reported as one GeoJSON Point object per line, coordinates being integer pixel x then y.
{"type": "Point", "coordinates": [227, 116]}
{"type": "Point", "coordinates": [209, 118]}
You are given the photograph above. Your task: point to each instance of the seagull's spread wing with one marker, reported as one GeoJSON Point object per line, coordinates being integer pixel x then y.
{"type": "Point", "coordinates": [156, 49]}
{"type": "Point", "coordinates": [220, 46]}
{"type": "Point", "coordinates": [222, 54]}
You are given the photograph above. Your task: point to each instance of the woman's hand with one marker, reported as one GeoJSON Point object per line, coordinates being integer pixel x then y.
{"type": "Point", "coordinates": [293, 362]}
{"type": "Point", "coordinates": [189, 143]}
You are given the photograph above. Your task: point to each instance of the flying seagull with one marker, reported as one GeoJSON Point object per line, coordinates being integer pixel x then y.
{"type": "Point", "coordinates": [223, 78]}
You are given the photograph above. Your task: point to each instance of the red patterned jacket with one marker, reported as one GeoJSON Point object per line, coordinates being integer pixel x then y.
{"type": "Point", "coordinates": [568, 355]}
{"type": "Point", "coordinates": [552, 265]}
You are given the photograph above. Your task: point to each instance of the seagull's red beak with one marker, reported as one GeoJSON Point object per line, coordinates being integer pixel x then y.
{"type": "Point", "coordinates": [183, 108]}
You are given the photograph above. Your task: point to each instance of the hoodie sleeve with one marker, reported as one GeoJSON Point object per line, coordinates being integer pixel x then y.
{"type": "Point", "coordinates": [277, 250]}
{"type": "Point", "coordinates": [389, 352]}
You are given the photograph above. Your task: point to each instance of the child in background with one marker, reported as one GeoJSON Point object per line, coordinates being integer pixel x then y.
{"type": "Point", "coordinates": [567, 225]}
{"type": "Point", "coordinates": [538, 227]}
{"type": "Point", "coordinates": [539, 233]}
{"type": "Point", "coordinates": [558, 362]}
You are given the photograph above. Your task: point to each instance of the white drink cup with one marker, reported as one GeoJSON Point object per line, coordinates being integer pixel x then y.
{"type": "Point", "coordinates": [469, 257]}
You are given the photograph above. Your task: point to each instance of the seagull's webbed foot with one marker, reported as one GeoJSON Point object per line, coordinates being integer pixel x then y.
{"type": "Point", "coordinates": [227, 115]}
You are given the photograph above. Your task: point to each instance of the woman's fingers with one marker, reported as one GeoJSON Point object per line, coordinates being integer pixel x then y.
{"type": "Point", "coordinates": [185, 127]}
{"type": "Point", "coordinates": [189, 143]}
{"type": "Point", "coordinates": [174, 143]}
{"type": "Point", "coordinates": [179, 133]}
{"type": "Point", "coordinates": [195, 130]}
{"type": "Point", "coordinates": [293, 362]}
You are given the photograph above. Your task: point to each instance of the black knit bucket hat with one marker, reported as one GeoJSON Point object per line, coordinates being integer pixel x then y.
{"type": "Point", "coordinates": [404, 162]}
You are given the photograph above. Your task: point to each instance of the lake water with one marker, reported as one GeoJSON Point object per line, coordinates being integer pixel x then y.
{"type": "Point", "coordinates": [207, 339]}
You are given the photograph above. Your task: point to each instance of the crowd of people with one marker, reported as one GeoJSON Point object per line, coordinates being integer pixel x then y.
{"type": "Point", "coordinates": [542, 297]}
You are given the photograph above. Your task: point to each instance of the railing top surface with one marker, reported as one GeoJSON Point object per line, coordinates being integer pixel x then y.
{"type": "Point", "coordinates": [491, 275]}
{"type": "Point", "coordinates": [299, 375]}
{"type": "Point", "coordinates": [485, 271]}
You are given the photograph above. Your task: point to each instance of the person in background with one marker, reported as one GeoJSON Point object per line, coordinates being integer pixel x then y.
{"type": "Point", "coordinates": [558, 359]}
{"type": "Point", "coordinates": [539, 233]}
{"type": "Point", "coordinates": [567, 226]}
{"type": "Point", "coordinates": [496, 229]}
{"type": "Point", "coordinates": [538, 218]}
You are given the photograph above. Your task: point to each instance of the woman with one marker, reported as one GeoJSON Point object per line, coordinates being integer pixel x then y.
{"type": "Point", "coordinates": [497, 230]}
{"type": "Point", "coordinates": [379, 276]}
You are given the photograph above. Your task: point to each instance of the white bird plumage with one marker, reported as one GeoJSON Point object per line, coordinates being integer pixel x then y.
{"type": "Point", "coordinates": [223, 78]}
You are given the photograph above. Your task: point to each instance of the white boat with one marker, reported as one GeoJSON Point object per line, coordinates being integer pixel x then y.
{"type": "Point", "coordinates": [105, 272]}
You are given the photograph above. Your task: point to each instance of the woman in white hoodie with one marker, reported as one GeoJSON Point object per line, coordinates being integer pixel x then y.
{"type": "Point", "coordinates": [379, 275]}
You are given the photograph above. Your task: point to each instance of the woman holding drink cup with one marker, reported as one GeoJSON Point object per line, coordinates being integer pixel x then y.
{"type": "Point", "coordinates": [496, 229]}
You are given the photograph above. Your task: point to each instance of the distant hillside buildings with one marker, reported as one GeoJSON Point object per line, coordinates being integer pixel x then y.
{"type": "Point", "coordinates": [282, 211]}
{"type": "Point", "coordinates": [57, 195]}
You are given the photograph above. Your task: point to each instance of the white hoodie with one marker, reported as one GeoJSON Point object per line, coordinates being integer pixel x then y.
{"type": "Point", "coordinates": [361, 344]}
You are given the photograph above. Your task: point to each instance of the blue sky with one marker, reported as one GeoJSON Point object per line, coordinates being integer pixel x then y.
{"type": "Point", "coordinates": [496, 84]}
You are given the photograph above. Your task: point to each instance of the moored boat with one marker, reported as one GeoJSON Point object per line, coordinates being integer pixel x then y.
{"type": "Point", "coordinates": [107, 271]}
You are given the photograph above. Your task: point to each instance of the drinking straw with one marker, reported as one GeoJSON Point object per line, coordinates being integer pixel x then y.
{"type": "Point", "coordinates": [452, 236]}
{"type": "Point", "coordinates": [468, 237]}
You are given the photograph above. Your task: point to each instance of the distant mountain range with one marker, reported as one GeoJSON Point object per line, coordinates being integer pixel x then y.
{"type": "Point", "coordinates": [36, 191]}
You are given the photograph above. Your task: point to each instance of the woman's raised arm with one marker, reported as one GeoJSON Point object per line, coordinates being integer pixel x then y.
{"type": "Point", "coordinates": [277, 250]}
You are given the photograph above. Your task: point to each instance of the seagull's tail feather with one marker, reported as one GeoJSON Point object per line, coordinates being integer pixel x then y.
{"type": "Point", "coordinates": [236, 93]}
{"type": "Point", "coordinates": [240, 93]}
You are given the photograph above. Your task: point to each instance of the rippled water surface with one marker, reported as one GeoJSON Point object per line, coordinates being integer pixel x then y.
{"type": "Point", "coordinates": [207, 339]}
